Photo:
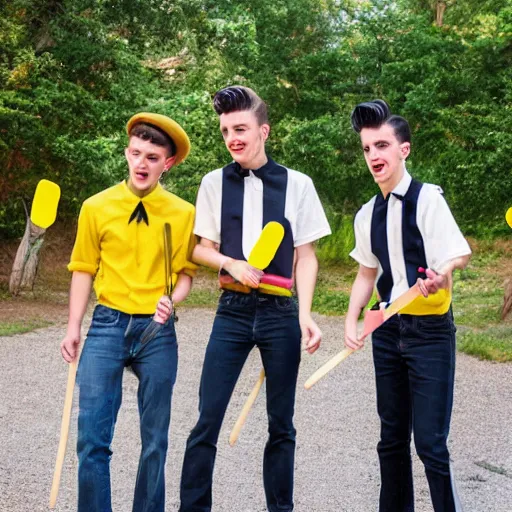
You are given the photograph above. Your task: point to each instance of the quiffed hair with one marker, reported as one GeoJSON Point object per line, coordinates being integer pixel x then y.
{"type": "Point", "coordinates": [236, 98]}
{"type": "Point", "coordinates": [153, 134]}
{"type": "Point", "coordinates": [373, 114]}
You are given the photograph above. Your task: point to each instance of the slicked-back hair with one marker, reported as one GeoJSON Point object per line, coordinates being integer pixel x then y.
{"type": "Point", "coordinates": [237, 98]}
{"type": "Point", "coordinates": [155, 135]}
{"type": "Point", "coordinates": [374, 114]}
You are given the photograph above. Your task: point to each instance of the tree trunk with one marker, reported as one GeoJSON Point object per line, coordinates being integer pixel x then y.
{"type": "Point", "coordinates": [507, 299]}
{"type": "Point", "coordinates": [24, 269]}
{"type": "Point", "coordinates": [440, 8]}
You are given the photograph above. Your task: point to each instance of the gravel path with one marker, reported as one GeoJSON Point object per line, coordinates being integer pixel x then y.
{"type": "Point", "coordinates": [336, 463]}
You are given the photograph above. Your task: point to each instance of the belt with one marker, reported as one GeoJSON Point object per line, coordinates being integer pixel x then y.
{"type": "Point", "coordinates": [269, 284]}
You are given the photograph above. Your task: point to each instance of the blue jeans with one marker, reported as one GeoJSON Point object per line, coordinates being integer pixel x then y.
{"type": "Point", "coordinates": [414, 358]}
{"type": "Point", "coordinates": [113, 343]}
{"type": "Point", "coordinates": [242, 322]}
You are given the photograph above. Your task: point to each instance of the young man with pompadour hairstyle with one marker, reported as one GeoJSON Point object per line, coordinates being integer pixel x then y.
{"type": "Point", "coordinates": [119, 245]}
{"type": "Point", "coordinates": [406, 234]}
{"type": "Point", "coordinates": [233, 206]}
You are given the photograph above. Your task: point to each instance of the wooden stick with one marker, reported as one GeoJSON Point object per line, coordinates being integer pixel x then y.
{"type": "Point", "coordinates": [373, 320]}
{"type": "Point", "coordinates": [64, 431]}
{"type": "Point", "coordinates": [327, 367]}
{"type": "Point", "coordinates": [404, 300]}
{"type": "Point", "coordinates": [245, 410]}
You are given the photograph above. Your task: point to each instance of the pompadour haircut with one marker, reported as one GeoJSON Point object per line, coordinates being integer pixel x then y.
{"type": "Point", "coordinates": [237, 98]}
{"type": "Point", "coordinates": [374, 114]}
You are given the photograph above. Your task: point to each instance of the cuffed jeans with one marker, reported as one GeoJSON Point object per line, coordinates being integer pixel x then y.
{"type": "Point", "coordinates": [113, 343]}
{"type": "Point", "coordinates": [414, 358]}
{"type": "Point", "coordinates": [243, 321]}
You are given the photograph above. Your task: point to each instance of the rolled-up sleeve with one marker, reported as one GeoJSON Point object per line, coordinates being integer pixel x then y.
{"type": "Point", "coordinates": [362, 252]}
{"type": "Point", "coordinates": [188, 266]}
{"type": "Point", "coordinates": [86, 251]}
{"type": "Point", "coordinates": [312, 223]}
{"type": "Point", "coordinates": [438, 226]}
{"type": "Point", "coordinates": [207, 218]}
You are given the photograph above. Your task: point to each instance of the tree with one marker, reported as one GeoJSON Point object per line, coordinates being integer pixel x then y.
{"type": "Point", "coordinates": [73, 71]}
{"type": "Point", "coordinates": [24, 269]}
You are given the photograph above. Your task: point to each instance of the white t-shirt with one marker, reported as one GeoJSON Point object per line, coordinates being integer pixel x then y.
{"type": "Point", "coordinates": [442, 237]}
{"type": "Point", "coordinates": [302, 209]}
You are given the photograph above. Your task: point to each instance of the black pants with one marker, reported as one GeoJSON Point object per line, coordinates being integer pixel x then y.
{"type": "Point", "coordinates": [414, 358]}
{"type": "Point", "coordinates": [242, 322]}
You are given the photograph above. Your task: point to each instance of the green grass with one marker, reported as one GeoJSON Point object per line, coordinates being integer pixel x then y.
{"type": "Point", "coordinates": [332, 292]}
{"type": "Point", "coordinates": [488, 252]}
{"type": "Point", "coordinates": [330, 302]}
{"type": "Point", "coordinates": [202, 298]}
{"type": "Point", "coordinates": [478, 311]}
{"type": "Point", "coordinates": [477, 297]}
{"type": "Point", "coordinates": [4, 291]}
{"type": "Point", "coordinates": [492, 344]}
{"type": "Point", "coordinates": [477, 301]}
{"type": "Point", "coordinates": [11, 328]}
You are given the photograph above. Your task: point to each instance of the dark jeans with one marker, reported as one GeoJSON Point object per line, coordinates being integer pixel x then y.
{"type": "Point", "coordinates": [113, 343]}
{"type": "Point", "coordinates": [243, 321]}
{"type": "Point", "coordinates": [414, 359]}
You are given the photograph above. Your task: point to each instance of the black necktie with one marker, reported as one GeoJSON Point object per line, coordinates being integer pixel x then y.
{"type": "Point", "coordinates": [398, 196]}
{"type": "Point", "coordinates": [139, 213]}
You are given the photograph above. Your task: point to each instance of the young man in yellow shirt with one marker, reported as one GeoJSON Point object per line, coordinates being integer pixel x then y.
{"type": "Point", "coordinates": [119, 246]}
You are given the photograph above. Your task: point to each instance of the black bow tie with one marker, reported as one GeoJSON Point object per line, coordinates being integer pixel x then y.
{"type": "Point", "coordinates": [244, 173]}
{"type": "Point", "coordinates": [139, 213]}
{"type": "Point", "coordinates": [398, 196]}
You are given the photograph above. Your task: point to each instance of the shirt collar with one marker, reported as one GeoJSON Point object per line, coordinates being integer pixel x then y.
{"type": "Point", "coordinates": [154, 195]}
{"type": "Point", "coordinates": [404, 184]}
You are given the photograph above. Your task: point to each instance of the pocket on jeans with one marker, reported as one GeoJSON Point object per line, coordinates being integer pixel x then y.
{"type": "Point", "coordinates": [286, 304]}
{"type": "Point", "coordinates": [104, 316]}
{"type": "Point", "coordinates": [234, 300]}
{"type": "Point", "coordinates": [436, 323]}
{"type": "Point", "coordinates": [225, 299]}
{"type": "Point", "coordinates": [168, 328]}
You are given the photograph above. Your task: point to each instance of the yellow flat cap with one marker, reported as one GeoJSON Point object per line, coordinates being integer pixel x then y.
{"type": "Point", "coordinates": [170, 127]}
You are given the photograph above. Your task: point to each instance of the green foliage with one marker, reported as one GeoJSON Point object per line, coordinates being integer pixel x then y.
{"type": "Point", "coordinates": [335, 248]}
{"type": "Point", "coordinates": [324, 149]}
{"type": "Point", "coordinates": [73, 71]}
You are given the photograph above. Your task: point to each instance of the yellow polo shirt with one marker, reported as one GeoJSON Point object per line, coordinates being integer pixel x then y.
{"type": "Point", "coordinates": [127, 260]}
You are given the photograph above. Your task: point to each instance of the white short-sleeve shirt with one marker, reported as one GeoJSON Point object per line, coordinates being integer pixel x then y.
{"type": "Point", "coordinates": [303, 209]}
{"type": "Point", "coordinates": [442, 238]}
